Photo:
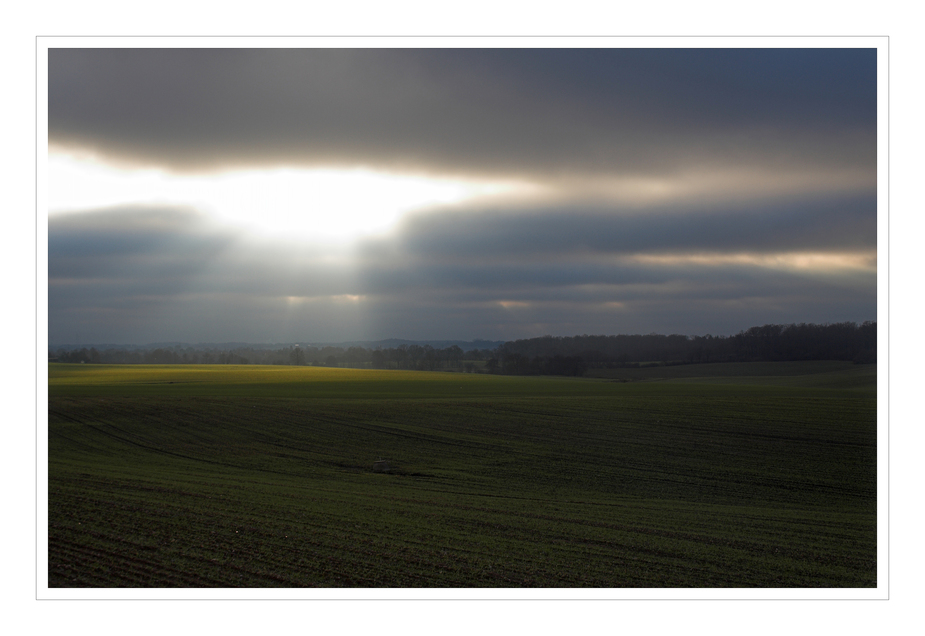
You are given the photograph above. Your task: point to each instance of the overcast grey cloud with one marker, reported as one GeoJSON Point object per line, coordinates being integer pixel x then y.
{"type": "Point", "coordinates": [676, 190]}
{"type": "Point", "coordinates": [831, 223]}
{"type": "Point", "coordinates": [469, 110]}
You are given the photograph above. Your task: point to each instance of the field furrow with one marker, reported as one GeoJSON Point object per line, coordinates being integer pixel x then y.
{"type": "Point", "coordinates": [494, 482]}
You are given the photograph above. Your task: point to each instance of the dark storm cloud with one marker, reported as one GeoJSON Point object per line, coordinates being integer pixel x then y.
{"type": "Point", "coordinates": [155, 273]}
{"type": "Point", "coordinates": [119, 241]}
{"type": "Point", "coordinates": [148, 251]}
{"type": "Point", "coordinates": [588, 281]}
{"type": "Point", "coordinates": [586, 287]}
{"type": "Point", "coordinates": [830, 224]}
{"type": "Point", "coordinates": [676, 308]}
{"type": "Point", "coordinates": [142, 274]}
{"type": "Point", "coordinates": [580, 270]}
{"type": "Point", "coordinates": [803, 87]}
{"type": "Point", "coordinates": [507, 111]}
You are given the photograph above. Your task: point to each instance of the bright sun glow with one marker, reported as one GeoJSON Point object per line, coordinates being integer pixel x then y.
{"type": "Point", "coordinates": [315, 204]}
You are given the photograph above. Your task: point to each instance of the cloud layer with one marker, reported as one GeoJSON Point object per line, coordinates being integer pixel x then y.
{"type": "Point", "coordinates": [510, 111]}
{"type": "Point", "coordinates": [502, 275]}
{"type": "Point", "coordinates": [682, 191]}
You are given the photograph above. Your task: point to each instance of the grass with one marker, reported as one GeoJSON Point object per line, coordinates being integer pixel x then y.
{"type": "Point", "coordinates": [262, 476]}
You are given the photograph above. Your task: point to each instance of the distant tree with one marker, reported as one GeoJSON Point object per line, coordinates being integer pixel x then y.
{"type": "Point", "coordinates": [296, 356]}
{"type": "Point", "coordinates": [428, 358]}
{"type": "Point", "coordinates": [453, 355]}
{"type": "Point", "coordinates": [400, 355]}
{"type": "Point", "coordinates": [415, 355]}
{"type": "Point", "coordinates": [356, 356]}
{"type": "Point", "coordinates": [515, 364]}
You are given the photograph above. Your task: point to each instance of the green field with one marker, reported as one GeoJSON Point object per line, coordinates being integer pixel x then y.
{"type": "Point", "coordinates": [739, 475]}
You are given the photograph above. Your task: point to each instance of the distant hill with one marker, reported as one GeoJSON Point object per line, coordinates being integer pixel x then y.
{"type": "Point", "coordinates": [391, 343]}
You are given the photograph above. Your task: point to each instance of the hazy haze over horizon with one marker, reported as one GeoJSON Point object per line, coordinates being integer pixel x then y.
{"type": "Point", "coordinates": [331, 195]}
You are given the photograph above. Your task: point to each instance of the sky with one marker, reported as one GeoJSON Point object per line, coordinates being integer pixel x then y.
{"type": "Point", "coordinates": [331, 195]}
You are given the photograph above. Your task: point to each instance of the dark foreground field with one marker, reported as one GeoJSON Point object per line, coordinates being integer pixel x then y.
{"type": "Point", "coordinates": [707, 476]}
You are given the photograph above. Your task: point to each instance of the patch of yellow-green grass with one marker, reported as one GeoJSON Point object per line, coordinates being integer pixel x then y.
{"type": "Point", "coordinates": [290, 381]}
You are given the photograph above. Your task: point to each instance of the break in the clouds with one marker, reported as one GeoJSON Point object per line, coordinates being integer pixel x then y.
{"type": "Point", "coordinates": [325, 194]}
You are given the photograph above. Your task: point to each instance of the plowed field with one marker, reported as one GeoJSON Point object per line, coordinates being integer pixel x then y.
{"type": "Point", "coordinates": [198, 476]}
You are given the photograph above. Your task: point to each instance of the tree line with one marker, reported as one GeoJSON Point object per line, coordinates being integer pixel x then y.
{"type": "Point", "coordinates": [831, 341]}
{"type": "Point", "coordinates": [547, 355]}
{"type": "Point", "coordinates": [405, 356]}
